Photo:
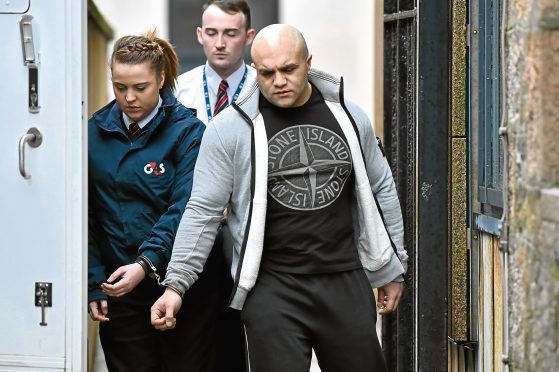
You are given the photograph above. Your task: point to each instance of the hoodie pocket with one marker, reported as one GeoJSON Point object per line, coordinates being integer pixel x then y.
{"type": "Point", "coordinates": [254, 246]}
{"type": "Point", "coordinates": [374, 247]}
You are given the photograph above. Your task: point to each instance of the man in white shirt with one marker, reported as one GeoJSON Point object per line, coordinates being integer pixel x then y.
{"type": "Point", "coordinates": [224, 34]}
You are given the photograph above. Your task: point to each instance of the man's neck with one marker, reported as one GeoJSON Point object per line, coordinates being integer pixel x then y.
{"type": "Point", "coordinates": [225, 73]}
{"type": "Point", "coordinates": [305, 95]}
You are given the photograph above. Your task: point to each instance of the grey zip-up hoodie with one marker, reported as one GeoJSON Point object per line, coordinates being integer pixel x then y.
{"type": "Point", "coordinates": [232, 171]}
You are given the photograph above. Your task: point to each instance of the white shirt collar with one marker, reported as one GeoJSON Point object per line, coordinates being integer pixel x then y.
{"type": "Point", "coordinates": [142, 123]}
{"type": "Point", "coordinates": [233, 80]}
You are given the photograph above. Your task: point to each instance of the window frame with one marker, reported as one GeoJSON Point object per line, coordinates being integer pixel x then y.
{"type": "Point", "coordinates": [489, 149]}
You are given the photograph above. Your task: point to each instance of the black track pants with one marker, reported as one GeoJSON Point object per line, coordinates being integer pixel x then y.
{"type": "Point", "coordinates": [131, 343]}
{"type": "Point", "coordinates": [286, 315]}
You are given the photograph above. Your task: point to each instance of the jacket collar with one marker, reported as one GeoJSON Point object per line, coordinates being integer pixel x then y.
{"type": "Point", "coordinates": [109, 117]}
{"type": "Point", "coordinates": [329, 86]}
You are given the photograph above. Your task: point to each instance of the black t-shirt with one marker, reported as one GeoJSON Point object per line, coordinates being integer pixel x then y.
{"type": "Point", "coordinates": [309, 226]}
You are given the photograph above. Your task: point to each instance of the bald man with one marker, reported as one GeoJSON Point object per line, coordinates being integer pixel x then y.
{"type": "Point", "coordinates": [313, 212]}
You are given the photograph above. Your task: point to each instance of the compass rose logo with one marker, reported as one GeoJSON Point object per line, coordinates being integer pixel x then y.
{"type": "Point", "coordinates": [307, 167]}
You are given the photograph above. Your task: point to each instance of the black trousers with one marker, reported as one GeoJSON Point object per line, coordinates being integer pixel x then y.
{"type": "Point", "coordinates": [230, 330]}
{"type": "Point", "coordinates": [130, 342]}
{"type": "Point", "coordinates": [287, 315]}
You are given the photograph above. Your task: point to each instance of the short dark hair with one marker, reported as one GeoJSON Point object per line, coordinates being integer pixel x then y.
{"type": "Point", "coordinates": [231, 7]}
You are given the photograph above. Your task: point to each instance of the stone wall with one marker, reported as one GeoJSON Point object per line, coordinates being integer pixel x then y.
{"type": "Point", "coordinates": [532, 114]}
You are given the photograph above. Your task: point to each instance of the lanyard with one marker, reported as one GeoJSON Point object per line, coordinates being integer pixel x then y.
{"type": "Point", "coordinates": [207, 94]}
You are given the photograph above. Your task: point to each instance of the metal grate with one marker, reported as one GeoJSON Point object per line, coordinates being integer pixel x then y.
{"type": "Point", "coordinates": [400, 137]}
{"type": "Point", "coordinates": [416, 127]}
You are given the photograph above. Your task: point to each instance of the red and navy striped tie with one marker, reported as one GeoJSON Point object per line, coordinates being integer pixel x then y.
{"type": "Point", "coordinates": [133, 129]}
{"type": "Point", "coordinates": [222, 100]}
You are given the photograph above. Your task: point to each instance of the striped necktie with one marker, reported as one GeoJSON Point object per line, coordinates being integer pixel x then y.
{"type": "Point", "coordinates": [222, 101]}
{"type": "Point", "coordinates": [133, 129]}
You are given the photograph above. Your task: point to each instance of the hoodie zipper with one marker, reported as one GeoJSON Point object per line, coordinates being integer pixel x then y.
{"type": "Point", "coordinates": [249, 219]}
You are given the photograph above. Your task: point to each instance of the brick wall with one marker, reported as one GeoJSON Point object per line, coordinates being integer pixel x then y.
{"type": "Point", "coordinates": [532, 113]}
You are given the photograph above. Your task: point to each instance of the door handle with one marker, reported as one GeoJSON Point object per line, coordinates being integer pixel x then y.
{"type": "Point", "coordinates": [33, 138]}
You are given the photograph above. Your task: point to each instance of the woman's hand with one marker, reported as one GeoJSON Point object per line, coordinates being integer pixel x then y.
{"type": "Point", "coordinates": [98, 310]}
{"type": "Point", "coordinates": [128, 277]}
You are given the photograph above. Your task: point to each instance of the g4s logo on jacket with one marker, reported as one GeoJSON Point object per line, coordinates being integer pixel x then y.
{"type": "Point", "coordinates": [152, 167]}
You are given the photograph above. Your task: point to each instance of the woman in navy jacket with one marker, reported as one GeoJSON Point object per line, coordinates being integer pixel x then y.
{"type": "Point", "coordinates": [142, 151]}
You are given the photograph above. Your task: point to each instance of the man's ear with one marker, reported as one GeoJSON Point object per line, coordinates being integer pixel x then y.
{"type": "Point", "coordinates": [199, 35]}
{"type": "Point", "coordinates": [309, 60]}
{"type": "Point", "coordinates": [251, 33]}
{"type": "Point", "coordinates": [252, 65]}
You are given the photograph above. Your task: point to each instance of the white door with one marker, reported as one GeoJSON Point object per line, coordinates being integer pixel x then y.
{"type": "Point", "coordinates": [42, 217]}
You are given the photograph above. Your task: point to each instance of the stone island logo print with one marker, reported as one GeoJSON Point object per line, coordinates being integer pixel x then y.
{"type": "Point", "coordinates": [152, 167]}
{"type": "Point", "coordinates": [307, 167]}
